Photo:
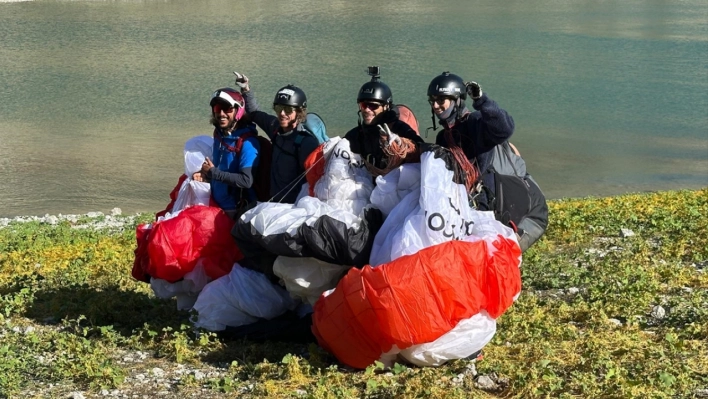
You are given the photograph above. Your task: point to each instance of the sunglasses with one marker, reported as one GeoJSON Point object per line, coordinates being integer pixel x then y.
{"type": "Point", "coordinates": [217, 108]}
{"type": "Point", "coordinates": [438, 100]}
{"type": "Point", "coordinates": [287, 108]}
{"type": "Point", "coordinates": [371, 106]}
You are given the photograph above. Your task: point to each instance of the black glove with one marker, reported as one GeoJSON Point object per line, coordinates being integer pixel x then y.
{"type": "Point", "coordinates": [474, 90]}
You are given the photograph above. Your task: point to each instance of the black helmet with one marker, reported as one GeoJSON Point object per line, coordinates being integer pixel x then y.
{"type": "Point", "coordinates": [291, 95]}
{"type": "Point", "coordinates": [447, 84]}
{"type": "Point", "coordinates": [375, 91]}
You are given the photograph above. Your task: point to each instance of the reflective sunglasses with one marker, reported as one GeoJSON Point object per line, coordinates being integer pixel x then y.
{"type": "Point", "coordinates": [280, 108]}
{"type": "Point", "coordinates": [440, 100]}
{"type": "Point", "coordinates": [221, 107]}
{"type": "Point", "coordinates": [371, 106]}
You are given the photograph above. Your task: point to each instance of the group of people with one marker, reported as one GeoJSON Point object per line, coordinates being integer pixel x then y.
{"type": "Point", "coordinates": [479, 136]}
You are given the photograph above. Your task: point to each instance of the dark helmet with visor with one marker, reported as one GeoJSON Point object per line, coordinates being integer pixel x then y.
{"type": "Point", "coordinates": [375, 90]}
{"type": "Point", "coordinates": [448, 85]}
{"type": "Point", "coordinates": [291, 95]}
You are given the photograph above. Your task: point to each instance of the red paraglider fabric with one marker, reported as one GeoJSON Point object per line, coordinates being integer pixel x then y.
{"type": "Point", "coordinates": [415, 299]}
{"type": "Point", "coordinates": [315, 167]}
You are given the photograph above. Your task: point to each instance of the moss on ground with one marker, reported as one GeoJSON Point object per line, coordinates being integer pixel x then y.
{"type": "Point", "coordinates": [604, 312]}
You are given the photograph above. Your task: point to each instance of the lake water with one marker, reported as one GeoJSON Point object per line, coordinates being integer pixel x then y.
{"type": "Point", "coordinates": [97, 98]}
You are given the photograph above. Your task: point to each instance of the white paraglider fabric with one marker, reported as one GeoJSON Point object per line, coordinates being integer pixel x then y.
{"type": "Point", "coordinates": [392, 187]}
{"type": "Point", "coordinates": [346, 184]}
{"type": "Point", "coordinates": [468, 336]}
{"type": "Point", "coordinates": [193, 192]}
{"type": "Point", "coordinates": [241, 297]}
{"type": "Point", "coordinates": [437, 211]}
{"type": "Point", "coordinates": [307, 278]}
{"type": "Point", "coordinates": [185, 290]}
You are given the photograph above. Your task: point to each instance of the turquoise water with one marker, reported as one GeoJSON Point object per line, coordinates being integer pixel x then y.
{"type": "Point", "coordinates": [97, 98]}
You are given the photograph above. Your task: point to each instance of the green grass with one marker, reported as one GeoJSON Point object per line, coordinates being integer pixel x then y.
{"type": "Point", "coordinates": [69, 312]}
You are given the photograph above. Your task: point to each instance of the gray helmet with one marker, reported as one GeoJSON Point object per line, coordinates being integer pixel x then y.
{"type": "Point", "coordinates": [375, 90]}
{"type": "Point", "coordinates": [291, 95]}
{"type": "Point", "coordinates": [447, 84]}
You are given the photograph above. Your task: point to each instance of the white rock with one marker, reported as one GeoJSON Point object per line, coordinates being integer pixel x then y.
{"type": "Point", "coordinates": [94, 214]}
{"type": "Point", "coordinates": [158, 372]}
{"type": "Point", "coordinates": [75, 395]}
{"type": "Point", "coordinates": [485, 383]}
{"type": "Point", "coordinates": [52, 220]}
{"type": "Point", "coordinates": [615, 322]}
{"type": "Point", "coordinates": [658, 312]}
{"type": "Point", "coordinates": [116, 212]}
{"type": "Point", "coordinates": [627, 233]}
{"type": "Point", "coordinates": [198, 375]}
{"type": "Point", "coordinates": [573, 290]}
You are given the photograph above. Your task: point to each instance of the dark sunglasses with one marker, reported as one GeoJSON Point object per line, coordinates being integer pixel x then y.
{"type": "Point", "coordinates": [438, 100]}
{"type": "Point", "coordinates": [220, 107]}
{"type": "Point", "coordinates": [280, 108]}
{"type": "Point", "coordinates": [371, 106]}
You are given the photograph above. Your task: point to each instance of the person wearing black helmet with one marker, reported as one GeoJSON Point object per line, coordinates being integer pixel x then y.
{"type": "Point", "coordinates": [377, 116]}
{"type": "Point", "coordinates": [292, 143]}
{"type": "Point", "coordinates": [476, 133]}
{"type": "Point", "coordinates": [483, 137]}
{"type": "Point", "coordinates": [230, 169]}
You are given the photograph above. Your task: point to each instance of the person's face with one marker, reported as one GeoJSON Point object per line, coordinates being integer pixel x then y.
{"type": "Point", "coordinates": [224, 114]}
{"type": "Point", "coordinates": [440, 104]}
{"type": "Point", "coordinates": [369, 110]}
{"type": "Point", "coordinates": [286, 116]}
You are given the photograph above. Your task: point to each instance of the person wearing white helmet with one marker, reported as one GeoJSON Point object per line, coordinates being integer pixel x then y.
{"type": "Point", "coordinates": [230, 168]}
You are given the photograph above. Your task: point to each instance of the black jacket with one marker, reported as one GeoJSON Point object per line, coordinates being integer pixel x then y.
{"type": "Point", "coordinates": [364, 139]}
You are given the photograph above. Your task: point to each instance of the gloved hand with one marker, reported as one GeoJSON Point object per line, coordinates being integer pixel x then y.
{"type": "Point", "coordinates": [242, 82]}
{"type": "Point", "coordinates": [474, 90]}
{"type": "Point", "coordinates": [387, 136]}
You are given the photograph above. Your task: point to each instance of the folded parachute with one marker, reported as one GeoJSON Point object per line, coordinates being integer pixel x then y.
{"type": "Point", "coordinates": [336, 225]}
{"type": "Point", "coordinates": [187, 232]}
{"type": "Point", "coordinates": [441, 274]}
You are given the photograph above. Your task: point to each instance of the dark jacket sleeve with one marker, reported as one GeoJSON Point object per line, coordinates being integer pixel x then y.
{"type": "Point", "coordinates": [268, 123]}
{"type": "Point", "coordinates": [494, 123]}
{"type": "Point", "coordinates": [242, 179]}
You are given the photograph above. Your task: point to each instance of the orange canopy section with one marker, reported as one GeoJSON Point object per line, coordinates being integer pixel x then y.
{"type": "Point", "coordinates": [315, 167]}
{"type": "Point", "coordinates": [416, 299]}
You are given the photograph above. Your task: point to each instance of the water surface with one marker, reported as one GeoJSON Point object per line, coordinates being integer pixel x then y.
{"type": "Point", "coordinates": [97, 98]}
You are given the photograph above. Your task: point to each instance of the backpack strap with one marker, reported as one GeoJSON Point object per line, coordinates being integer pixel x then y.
{"type": "Point", "coordinates": [239, 141]}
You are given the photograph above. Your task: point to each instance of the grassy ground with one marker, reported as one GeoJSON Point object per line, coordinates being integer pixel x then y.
{"type": "Point", "coordinates": [603, 313]}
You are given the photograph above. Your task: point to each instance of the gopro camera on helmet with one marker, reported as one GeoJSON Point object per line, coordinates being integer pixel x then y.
{"type": "Point", "coordinates": [374, 71]}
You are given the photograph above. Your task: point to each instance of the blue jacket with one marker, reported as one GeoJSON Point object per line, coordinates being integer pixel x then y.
{"type": "Point", "coordinates": [231, 178]}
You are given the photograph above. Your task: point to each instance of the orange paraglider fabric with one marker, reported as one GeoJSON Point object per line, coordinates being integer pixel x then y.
{"type": "Point", "coordinates": [415, 299]}
{"type": "Point", "coordinates": [315, 167]}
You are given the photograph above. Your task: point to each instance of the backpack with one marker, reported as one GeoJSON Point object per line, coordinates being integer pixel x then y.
{"type": "Point", "coordinates": [405, 114]}
{"type": "Point", "coordinates": [261, 177]}
{"type": "Point", "coordinates": [518, 201]}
